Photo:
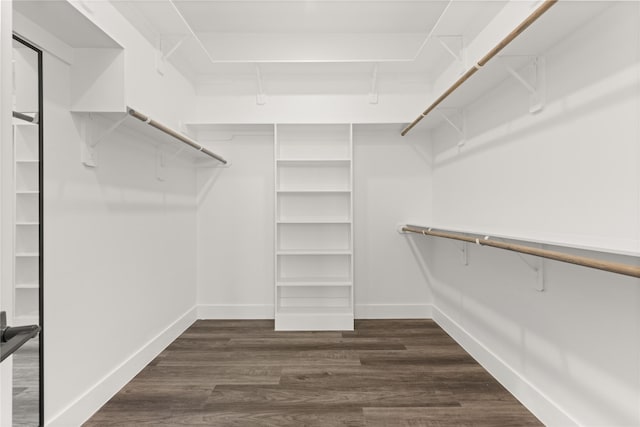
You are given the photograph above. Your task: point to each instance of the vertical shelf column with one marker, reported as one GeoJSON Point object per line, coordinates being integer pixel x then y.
{"type": "Point", "coordinates": [26, 220]}
{"type": "Point", "coordinates": [314, 227]}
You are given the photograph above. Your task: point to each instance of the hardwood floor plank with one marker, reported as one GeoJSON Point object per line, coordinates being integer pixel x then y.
{"type": "Point", "coordinates": [488, 416]}
{"type": "Point", "coordinates": [366, 376]}
{"type": "Point", "coordinates": [285, 416]}
{"type": "Point", "coordinates": [254, 396]}
{"type": "Point", "coordinates": [183, 375]}
{"type": "Point", "coordinates": [260, 358]}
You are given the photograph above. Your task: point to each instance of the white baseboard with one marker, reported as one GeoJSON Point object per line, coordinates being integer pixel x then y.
{"type": "Point", "coordinates": [235, 311]}
{"type": "Point", "coordinates": [393, 311]}
{"type": "Point", "coordinates": [89, 402]}
{"type": "Point", "coordinates": [362, 311]}
{"type": "Point", "coordinates": [531, 397]}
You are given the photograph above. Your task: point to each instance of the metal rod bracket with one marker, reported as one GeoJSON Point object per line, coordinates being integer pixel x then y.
{"type": "Point", "coordinates": [91, 139]}
{"type": "Point", "coordinates": [456, 118]}
{"type": "Point", "coordinates": [261, 98]}
{"type": "Point", "coordinates": [373, 91]}
{"type": "Point", "coordinates": [454, 45]}
{"type": "Point", "coordinates": [533, 78]}
{"type": "Point", "coordinates": [166, 49]}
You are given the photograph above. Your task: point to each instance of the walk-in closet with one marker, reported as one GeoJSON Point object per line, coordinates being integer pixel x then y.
{"type": "Point", "coordinates": [319, 213]}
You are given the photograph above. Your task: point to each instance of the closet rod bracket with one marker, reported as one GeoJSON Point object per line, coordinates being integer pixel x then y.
{"type": "Point", "coordinates": [373, 91]}
{"type": "Point", "coordinates": [454, 46]}
{"type": "Point", "coordinates": [261, 98]}
{"type": "Point", "coordinates": [456, 118]}
{"type": "Point", "coordinates": [532, 76]}
{"type": "Point", "coordinates": [166, 50]}
{"type": "Point", "coordinates": [91, 139]}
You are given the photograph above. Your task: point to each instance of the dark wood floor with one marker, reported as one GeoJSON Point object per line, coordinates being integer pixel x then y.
{"type": "Point", "coordinates": [385, 373]}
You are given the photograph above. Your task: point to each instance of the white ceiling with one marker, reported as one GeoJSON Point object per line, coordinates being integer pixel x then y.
{"type": "Point", "coordinates": [223, 40]}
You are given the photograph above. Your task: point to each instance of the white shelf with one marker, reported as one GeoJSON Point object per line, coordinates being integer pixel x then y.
{"type": "Point", "coordinates": [314, 221]}
{"type": "Point", "coordinates": [313, 191]}
{"type": "Point", "coordinates": [27, 192]}
{"type": "Point", "coordinates": [25, 223]}
{"type": "Point", "coordinates": [314, 310]}
{"type": "Point", "coordinates": [28, 286]}
{"type": "Point", "coordinates": [27, 255]}
{"type": "Point", "coordinates": [144, 133]}
{"type": "Point", "coordinates": [561, 20]}
{"type": "Point", "coordinates": [313, 162]}
{"type": "Point", "coordinates": [27, 161]}
{"type": "Point", "coordinates": [313, 252]}
{"type": "Point", "coordinates": [316, 283]}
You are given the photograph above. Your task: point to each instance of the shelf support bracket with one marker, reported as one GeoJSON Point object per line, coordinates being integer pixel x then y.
{"type": "Point", "coordinates": [454, 46]}
{"type": "Point", "coordinates": [89, 145]}
{"type": "Point", "coordinates": [165, 52]}
{"type": "Point", "coordinates": [464, 252]}
{"type": "Point", "coordinates": [161, 166]}
{"type": "Point", "coordinates": [260, 96]}
{"type": "Point", "coordinates": [534, 82]}
{"type": "Point", "coordinates": [538, 269]}
{"type": "Point", "coordinates": [373, 92]}
{"type": "Point", "coordinates": [457, 120]}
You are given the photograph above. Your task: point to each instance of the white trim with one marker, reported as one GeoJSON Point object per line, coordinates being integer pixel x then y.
{"type": "Point", "coordinates": [81, 409]}
{"type": "Point", "coordinates": [393, 311]}
{"type": "Point", "coordinates": [531, 397]}
{"type": "Point", "coordinates": [363, 311]}
{"type": "Point", "coordinates": [235, 311]}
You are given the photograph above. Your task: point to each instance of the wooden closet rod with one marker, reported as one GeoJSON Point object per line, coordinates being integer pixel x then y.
{"type": "Point", "coordinates": [493, 52]}
{"type": "Point", "coordinates": [175, 134]}
{"type": "Point", "coordinates": [613, 267]}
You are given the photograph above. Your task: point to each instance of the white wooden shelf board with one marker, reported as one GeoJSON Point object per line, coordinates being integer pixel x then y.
{"type": "Point", "coordinates": [313, 284]}
{"type": "Point", "coordinates": [560, 241]}
{"type": "Point", "coordinates": [313, 191]}
{"type": "Point", "coordinates": [314, 162]}
{"type": "Point", "coordinates": [314, 281]}
{"type": "Point", "coordinates": [558, 22]}
{"type": "Point", "coordinates": [28, 286]}
{"type": "Point", "coordinates": [313, 252]}
{"type": "Point", "coordinates": [147, 134]}
{"type": "Point", "coordinates": [315, 221]}
{"type": "Point", "coordinates": [27, 254]}
{"type": "Point", "coordinates": [314, 310]}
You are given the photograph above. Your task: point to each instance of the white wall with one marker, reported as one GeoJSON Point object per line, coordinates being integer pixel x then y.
{"type": "Point", "coordinates": [392, 186]}
{"type": "Point", "coordinates": [119, 257]}
{"type": "Point", "coordinates": [309, 108]}
{"type": "Point", "coordinates": [567, 174]}
{"type": "Point", "coordinates": [236, 229]}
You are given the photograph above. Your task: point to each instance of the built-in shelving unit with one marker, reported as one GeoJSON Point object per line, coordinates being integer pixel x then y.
{"type": "Point", "coordinates": [26, 220]}
{"type": "Point", "coordinates": [314, 227]}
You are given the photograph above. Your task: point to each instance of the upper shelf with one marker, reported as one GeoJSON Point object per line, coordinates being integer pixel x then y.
{"type": "Point", "coordinates": [165, 138]}
{"type": "Point", "coordinates": [558, 22]}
